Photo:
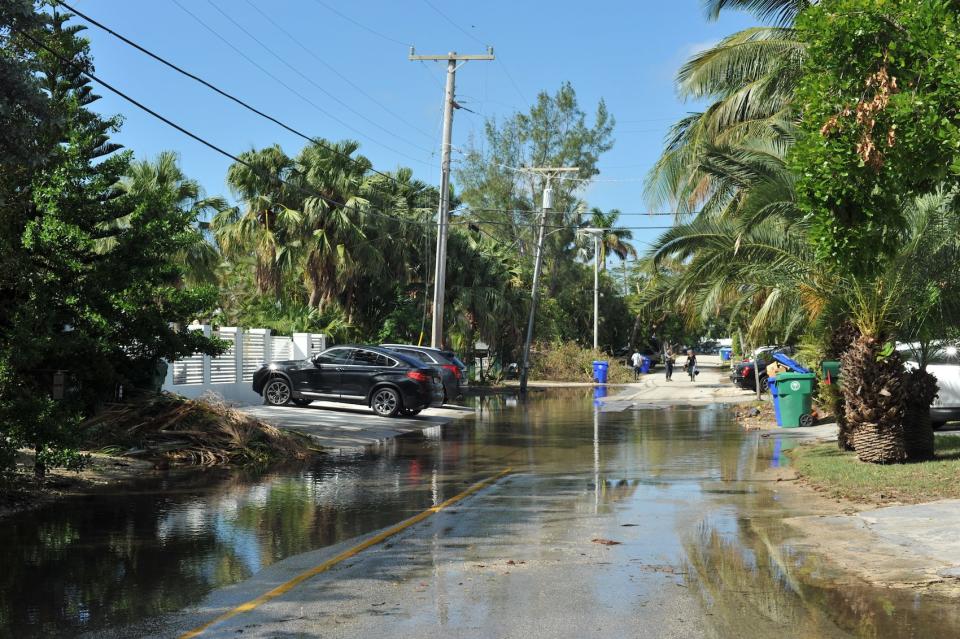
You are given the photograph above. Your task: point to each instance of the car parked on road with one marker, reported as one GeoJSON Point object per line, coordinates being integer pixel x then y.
{"type": "Point", "coordinates": [388, 382]}
{"type": "Point", "coordinates": [745, 374]}
{"type": "Point", "coordinates": [445, 363]}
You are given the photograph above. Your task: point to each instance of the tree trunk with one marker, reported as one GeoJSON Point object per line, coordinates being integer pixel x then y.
{"type": "Point", "coordinates": [921, 389]}
{"type": "Point", "coordinates": [841, 338]}
{"type": "Point", "coordinates": [875, 396]}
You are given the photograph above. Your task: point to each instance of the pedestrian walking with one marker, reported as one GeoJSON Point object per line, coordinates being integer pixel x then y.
{"type": "Point", "coordinates": [637, 361]}
{"type": "Point", "coordinates": [691, 366]}
{"type": "Point", "coordinates": [668, 362]}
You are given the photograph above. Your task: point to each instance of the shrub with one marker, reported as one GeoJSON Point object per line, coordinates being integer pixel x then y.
{"type": "Point", "coordinates": [568, 362]}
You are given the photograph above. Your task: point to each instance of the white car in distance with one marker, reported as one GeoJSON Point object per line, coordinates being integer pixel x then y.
{"type": "Point", "coordinates": [944, 363]}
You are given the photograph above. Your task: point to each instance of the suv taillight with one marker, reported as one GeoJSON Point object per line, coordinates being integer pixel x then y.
{"type": "Point", "coordinates": [746, 370]}
{"type": "Point", "coordinates": [453, 369]}
{"type": "Point", "coordinates": [418, 376]}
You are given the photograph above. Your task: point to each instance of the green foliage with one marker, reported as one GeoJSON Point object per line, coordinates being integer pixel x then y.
{"type": "Point", "coordinates": [879, 95]}
{"type": "Point", "coordinates": [568, 362]}
{"type": "Point", "coordinates": [93, 292]}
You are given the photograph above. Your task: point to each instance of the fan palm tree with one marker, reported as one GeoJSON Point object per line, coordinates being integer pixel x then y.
{"type": "Point", "coordinates": [613, 239]}
{"type": "Point", "coordinates": [163, 178]}
{"type": "Point", "coordinates": [265, 222]}
{"type": "Point", "coordinates": [337, 250]}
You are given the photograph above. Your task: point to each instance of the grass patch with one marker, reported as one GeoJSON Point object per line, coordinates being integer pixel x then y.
{"type": "Point", "coordinates": [841, 475]}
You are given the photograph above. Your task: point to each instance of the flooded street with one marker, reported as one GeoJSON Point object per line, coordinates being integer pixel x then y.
{"type": "Point", "coordinates": [682, 490]}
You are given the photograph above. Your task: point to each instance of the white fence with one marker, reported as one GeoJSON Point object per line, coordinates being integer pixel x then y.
{"type": "Point", "coordinates": [230, 374]}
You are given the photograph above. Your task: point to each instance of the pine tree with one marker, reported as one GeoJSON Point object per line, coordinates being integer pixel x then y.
{"type": "Point", "coordinates": [96, 318]}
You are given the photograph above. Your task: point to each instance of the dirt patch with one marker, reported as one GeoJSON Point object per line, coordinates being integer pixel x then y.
{"type": "Point", "coordinates": [756, 416]}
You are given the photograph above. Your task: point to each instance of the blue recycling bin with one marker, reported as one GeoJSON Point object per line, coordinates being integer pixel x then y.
{"type": "Point", "coordinates": [600, 370]}
{"type": "Point", "coordinates": [726, 354]}
{"type": "Point", "coordinates": [772, 387]}
{"type": "Point", "coordinates": [645, 364]}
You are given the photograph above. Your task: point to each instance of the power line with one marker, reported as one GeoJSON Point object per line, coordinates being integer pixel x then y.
{"type": "Point", "coordinates": [310, 80]}
{"type": "Point", "coordinates": [496, 210]}
{"type": "Point", "coordinates": [82, 69]}
{"type": "Point", "coordinates": [229, 96]}
{"type": "Point", "coordinates": [361, 25]}
{"type": "Point", "coordinates": [455, 25]}
{"type": "Point", "coordinates": [333, 70]}
{"type": "Point", "coordinates": [287, 86]}
{"type": "Point", "coordinates": [503, 66]}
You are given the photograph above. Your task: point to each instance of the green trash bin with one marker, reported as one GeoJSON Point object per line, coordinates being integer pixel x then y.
{"type": "Point", "coordinates": [796, 399]}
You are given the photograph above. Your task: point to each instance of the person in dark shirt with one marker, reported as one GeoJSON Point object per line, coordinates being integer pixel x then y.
{"type": "Point", "coordinates": [691, 366]}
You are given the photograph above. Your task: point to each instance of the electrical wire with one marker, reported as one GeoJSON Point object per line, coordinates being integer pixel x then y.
{"type": "Point", "coordinates": [361, 25]}
{"type": "Point", "coordinates": [311, 82]}
{"type": "Point", "coordinates": [286, 85]}
{"type": "Point", "coordinates": [333, 70]}
{"type": "Point", "coordinates": [225, 94]}
{"type": "Point", "coordinates": [82, 69]}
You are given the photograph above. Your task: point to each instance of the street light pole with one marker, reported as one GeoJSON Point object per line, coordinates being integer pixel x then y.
{"type": "Point", "coordinates": [596, 291]}
{"type": "Point", "coordinates": [547, 204]}
{"type": "Point", "coordinates": [596, 233]}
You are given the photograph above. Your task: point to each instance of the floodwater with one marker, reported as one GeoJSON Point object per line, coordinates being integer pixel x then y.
{"type": "Point", "coordinates": [115, 558]}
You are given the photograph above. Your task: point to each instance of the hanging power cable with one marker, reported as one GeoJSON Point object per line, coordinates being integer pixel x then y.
{"type": "Point", "coordinates": [312, 54]}
{"type": "Point", "coordinates": [221, 92]}
{"type": "Point", "coordinates": [294, 91]}
{"type": "Point", "coordinates": [309, 191]}
{"type": "Point", "coordinates": [306, 78]}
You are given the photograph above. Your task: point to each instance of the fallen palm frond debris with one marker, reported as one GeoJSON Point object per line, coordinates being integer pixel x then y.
{"type": "Point", "coordinates": [204, 432]}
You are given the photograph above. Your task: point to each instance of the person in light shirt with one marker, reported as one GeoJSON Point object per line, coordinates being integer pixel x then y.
{"type": "Point", "coordinates": [636, 360]}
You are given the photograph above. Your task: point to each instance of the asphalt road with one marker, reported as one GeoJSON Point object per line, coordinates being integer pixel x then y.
{"type": "Point", "coordinates": [500, 564]}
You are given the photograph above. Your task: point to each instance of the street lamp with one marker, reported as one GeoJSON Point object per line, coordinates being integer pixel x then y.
{"type": "Point", "coordinates": [597, 233]}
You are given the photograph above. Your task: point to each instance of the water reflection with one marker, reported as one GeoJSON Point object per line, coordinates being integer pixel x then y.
{"type": "Point", "coordinates": [113, 559]}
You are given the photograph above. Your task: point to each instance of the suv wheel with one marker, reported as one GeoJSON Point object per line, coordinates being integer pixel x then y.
{"type": "Point", "coordinates": [277, 392]}
{"type": "Point", "coordinates": [385, 402]}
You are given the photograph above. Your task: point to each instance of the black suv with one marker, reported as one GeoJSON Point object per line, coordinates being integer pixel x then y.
{"type": "Point", "coordinates": [388, 382]}
{"type": "Point", "coordinates": [445, 363]}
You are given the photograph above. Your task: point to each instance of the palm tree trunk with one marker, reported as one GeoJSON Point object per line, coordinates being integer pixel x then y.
{"type": "Point", "coordinates": [874, 392]}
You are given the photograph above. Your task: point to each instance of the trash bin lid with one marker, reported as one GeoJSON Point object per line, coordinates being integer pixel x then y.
{"type": "Point", "coordinates": [790, 363]}
{"type": "Point", "coordinates": [782, 377]}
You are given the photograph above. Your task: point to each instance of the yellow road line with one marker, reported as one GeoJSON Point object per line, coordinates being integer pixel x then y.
{"type": "Point", "coordinates": [346, 554]}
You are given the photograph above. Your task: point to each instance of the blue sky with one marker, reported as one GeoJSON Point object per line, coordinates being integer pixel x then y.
{"type": "Point", "coordinates": [624, 52]}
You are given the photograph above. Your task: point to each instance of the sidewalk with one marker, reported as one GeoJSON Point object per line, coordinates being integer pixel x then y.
{"type": "Point", "coordinates": [899, 546]}
{"type": "Point", "coordinates": [713, 385]}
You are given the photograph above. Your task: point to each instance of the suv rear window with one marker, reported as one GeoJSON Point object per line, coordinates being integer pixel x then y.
{"type": "Point", "coordinates": [369, 358]}
{"type": "Point", "coordinates": [420, 355]}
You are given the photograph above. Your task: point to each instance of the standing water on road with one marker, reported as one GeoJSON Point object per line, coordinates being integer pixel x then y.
{"type": "Point", "coordinates": [683, 486]}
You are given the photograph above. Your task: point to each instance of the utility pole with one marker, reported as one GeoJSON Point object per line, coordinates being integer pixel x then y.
{"type": "Point", "coordinates": [449, 104]}
{"type": "Point", "coordinates": [547, 204]}
{"type": "Point", "coordinates": [596, 233]}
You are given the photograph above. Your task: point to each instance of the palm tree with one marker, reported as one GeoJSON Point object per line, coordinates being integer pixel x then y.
{"type": "Point", "coordinates": [335, 211]}
{"type": "Point", "coordinates": [265, 222]}
{"type": "Point", "coordinates": [163, 178]}
{"type": "Point", "coordinates": [613, 239]}
{"type": "Point", "coordinates": [751, 77]}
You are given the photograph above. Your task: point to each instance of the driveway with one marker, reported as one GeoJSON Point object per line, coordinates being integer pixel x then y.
{"type": "Point", "coordinates": [339, 426]}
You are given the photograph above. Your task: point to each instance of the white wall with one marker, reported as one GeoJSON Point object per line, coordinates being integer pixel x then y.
{"type": "Point", "coordinates": [230, 376]}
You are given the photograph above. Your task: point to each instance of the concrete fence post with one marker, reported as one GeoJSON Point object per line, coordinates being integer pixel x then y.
{"type": "Point", "coordinates": [205, 366]}
{"type": "Point", "coordinates": [301, 345]}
